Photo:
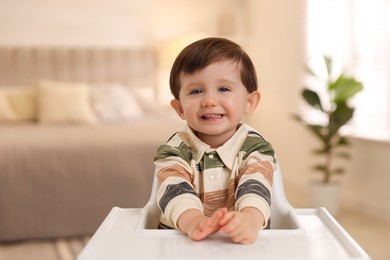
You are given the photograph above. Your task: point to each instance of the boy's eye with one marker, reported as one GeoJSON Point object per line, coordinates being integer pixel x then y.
{"type": "Point", "coordinates": [223, 89]}
{"type": "Point", "coordinates": [195, 91]}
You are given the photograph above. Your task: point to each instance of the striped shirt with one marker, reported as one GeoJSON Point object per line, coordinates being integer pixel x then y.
{"type": "Point", "coordinates": [192, 175]}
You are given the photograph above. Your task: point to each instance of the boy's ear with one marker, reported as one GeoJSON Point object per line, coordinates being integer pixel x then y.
{"type": "Point", "coordinates": [252, 101]}
{"type": "Point", "coordinates": [175, 103]}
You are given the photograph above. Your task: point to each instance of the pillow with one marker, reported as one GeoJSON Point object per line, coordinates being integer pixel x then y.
{"type": "Point", "coordinates": [113, 103]}
{"type": "Point", "coordinates": [146, 97]}
{"type": "Point", "coordinates": [6, 112]}
{"type": "Point", "coordinates": [18, 103]}
{"type": "Point", "coordinates": [64, 102]}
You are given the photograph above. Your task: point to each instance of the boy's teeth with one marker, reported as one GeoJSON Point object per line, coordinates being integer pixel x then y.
{"type": "Point", "coordinates": [212, 116]}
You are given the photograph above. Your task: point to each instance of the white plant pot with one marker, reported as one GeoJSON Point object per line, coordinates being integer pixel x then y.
{"type": "Point", "coordinates": [325, 195]}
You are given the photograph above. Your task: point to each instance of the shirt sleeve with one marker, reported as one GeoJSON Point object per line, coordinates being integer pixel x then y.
{"type": "Point", "coordinates": [176, 193]}
{"type": "Point", "coordinates": [256, 176]}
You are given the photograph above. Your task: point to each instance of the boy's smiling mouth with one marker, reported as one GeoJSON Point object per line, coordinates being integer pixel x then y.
{"type": "Point", "coordinates": [212, 116]}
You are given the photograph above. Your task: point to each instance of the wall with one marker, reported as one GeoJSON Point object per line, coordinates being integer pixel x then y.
{"type": "Point", "coordinates": [277, 47]}
{"type": "Point", "coordinates": [366, 184]}
{"type": "Point", "coordinates": [114, 22]}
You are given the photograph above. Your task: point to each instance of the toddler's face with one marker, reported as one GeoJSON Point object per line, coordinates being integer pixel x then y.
{"type": "Point", "coordinates": [213, 101]}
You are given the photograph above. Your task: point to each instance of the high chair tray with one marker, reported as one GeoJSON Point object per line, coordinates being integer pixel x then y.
{"type": "Point", "coordinates": [319, 236]}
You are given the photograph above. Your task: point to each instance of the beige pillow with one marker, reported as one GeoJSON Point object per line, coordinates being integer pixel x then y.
{"type": "Point", "coordinates": [64, 102]}
{"type": "Point", "coordinates": [18, 103]}
{"type": "Point", "coordinates": [113, 103]}
{"type": "Point", "coordinates": [6, 112]}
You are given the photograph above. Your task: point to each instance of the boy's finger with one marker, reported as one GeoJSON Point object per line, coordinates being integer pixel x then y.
{"type": "Point", "coordinates": [218, 215]}
{"type": "Point", "coordinates": [226, 218]}
{"type": "Point", "coordinates": [198, 235]}
{"type": "Point", "coordinates": [232, 228]}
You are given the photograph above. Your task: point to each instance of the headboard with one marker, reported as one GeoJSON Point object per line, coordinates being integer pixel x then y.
{"type": "Point", "coordinates": [25, 65]}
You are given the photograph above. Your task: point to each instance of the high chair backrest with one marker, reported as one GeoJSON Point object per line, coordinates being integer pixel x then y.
{"type": "Point", "coordinates": [279, 205]}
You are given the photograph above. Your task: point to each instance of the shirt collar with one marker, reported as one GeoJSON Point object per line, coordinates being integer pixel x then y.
{"type": "Point", "coordinates": [227, 152]}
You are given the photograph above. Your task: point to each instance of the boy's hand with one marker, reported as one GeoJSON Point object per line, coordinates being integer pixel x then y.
{"type": "Point", "coordinates": [197, 226]}
{"type": "Point", "coordinates": [242, 226]}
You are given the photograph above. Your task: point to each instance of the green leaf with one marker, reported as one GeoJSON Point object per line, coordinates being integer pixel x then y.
{"type": "Point", "coordinates": [343, 141]}
{"type": "Point", "coordinates": [343, 155]}
{"type": "Point", "coordinates": [312, 98]}
{"type": "Point", "coordinates": [297, 118]}
{"type": "Point", "coordinates": [328, 64]}
{"type": "Point", "coordinates": [310, 71]}
{"type": "Point", "coordinates": [320, 151]}
{"type": "Point", "coordinates": [317, 130]}
{"type": "Point", "coordinates": [339, 117]}
{"type": "Point", "coordinates": [344, 88]}
{"type": "Point", "coordinates": [338, 171]}
{"type": "Point", "coordinates": [320, 167]}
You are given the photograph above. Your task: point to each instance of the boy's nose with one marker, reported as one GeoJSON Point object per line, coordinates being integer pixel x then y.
{"type": "Point", "coordinates": [209, 100]}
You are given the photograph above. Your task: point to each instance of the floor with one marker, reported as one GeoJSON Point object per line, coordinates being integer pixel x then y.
{"type": "Point", "coordinates": [371, 233]}
{"type": "Point", "coordinates": [54, 249]}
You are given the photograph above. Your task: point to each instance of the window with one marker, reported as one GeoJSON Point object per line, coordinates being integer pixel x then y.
{"type": "Point", "coordinates": [356, 34]}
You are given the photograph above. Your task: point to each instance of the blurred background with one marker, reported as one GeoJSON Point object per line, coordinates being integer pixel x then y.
{"type": "Point", "coordinates": [280, 37]}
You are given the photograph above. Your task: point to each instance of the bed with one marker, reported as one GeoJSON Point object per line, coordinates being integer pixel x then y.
{"type": "Point", "coordinates": [79, 127]}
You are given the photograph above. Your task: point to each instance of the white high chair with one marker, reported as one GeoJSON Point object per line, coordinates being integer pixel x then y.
{"type": "Point", "coordinates": [294, 234]}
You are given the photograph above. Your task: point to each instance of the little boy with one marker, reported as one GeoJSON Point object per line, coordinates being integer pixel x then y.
{"type": "Point", "coordinates": [216, 174]}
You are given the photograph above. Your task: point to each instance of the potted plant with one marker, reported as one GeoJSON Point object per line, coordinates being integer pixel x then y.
{"type": "Point", "coordinates": [334, 108]}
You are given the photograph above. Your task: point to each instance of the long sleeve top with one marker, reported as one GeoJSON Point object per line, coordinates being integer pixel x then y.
{"type": "Point", "coordinates": [192, 175]}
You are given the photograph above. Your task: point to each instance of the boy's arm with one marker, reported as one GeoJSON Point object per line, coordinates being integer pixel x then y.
{"type": "Point", "coordinates": [176, 192]}
{"type": "Point", "coordinates": [254, 188]}
{"type": "Point", "coordinates": [176, 196]}
{"type": "Point", "coordinates": [256, 175]}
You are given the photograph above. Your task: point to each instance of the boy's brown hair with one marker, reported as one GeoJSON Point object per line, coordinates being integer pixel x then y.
{"type": "Point", "coordinates": [204, 52]}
